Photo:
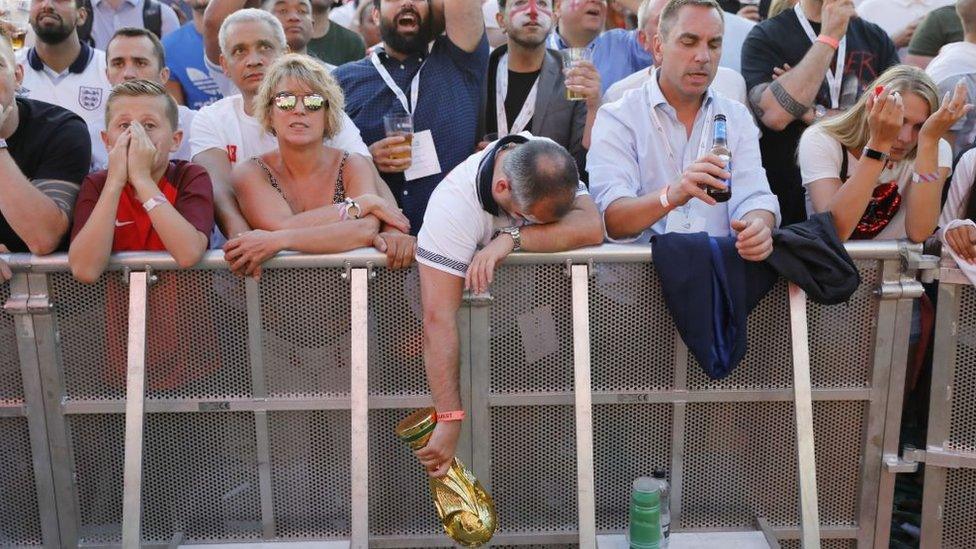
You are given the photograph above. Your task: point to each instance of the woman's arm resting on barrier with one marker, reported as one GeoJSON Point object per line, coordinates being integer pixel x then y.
{"type": "Point", "coordinates": [394, 238]}
{"type": "Point", "coordinates": [246, 252]}
{"type": "Point", "coordinates": [441, 298]}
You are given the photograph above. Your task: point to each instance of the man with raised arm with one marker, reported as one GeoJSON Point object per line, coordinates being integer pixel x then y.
{"type": "Point", "coordinates": [830, 57]}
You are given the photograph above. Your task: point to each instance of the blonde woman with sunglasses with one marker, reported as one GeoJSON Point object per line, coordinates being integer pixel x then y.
{"type": "Point", "coordinates": [304, 196]}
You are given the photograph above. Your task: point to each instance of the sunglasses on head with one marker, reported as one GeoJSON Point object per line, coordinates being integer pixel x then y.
{"type": "Point", "coordinates": [287, 101]}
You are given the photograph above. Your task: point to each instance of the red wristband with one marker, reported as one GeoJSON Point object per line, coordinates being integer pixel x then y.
{"type": "Point", "coordinates": [456, 415]}
{"type": "Point", "coordinates": [829, 40]}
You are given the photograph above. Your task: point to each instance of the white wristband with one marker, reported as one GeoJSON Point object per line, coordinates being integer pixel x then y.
{"type": "Point", "coordinates": [153, 202]}
{"type": "Point", "coordinates": [663, 197]}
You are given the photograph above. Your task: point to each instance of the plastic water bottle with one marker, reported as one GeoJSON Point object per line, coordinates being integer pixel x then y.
{"type": "Point", "coordinates": [645, 514]}
{"type": "Point", "coordinates": [661, 477]}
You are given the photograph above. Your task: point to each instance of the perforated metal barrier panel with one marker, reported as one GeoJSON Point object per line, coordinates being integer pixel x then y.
{"type": "Point", "coordinates": [240, 370]}
{"type": "Point", "coordinates": [19, 513]}
{"type": "Point", "coordinates": [950, 478]}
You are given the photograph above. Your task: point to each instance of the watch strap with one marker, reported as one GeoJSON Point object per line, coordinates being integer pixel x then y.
{"type": "Point", "coordinates": [874, 155]}
{"type": "Point", "coordinates": [516, 235]}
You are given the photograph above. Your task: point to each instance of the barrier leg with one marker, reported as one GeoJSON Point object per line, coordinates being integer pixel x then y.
{"type": "Point", "coordinates": [20, 305]}
{"type": "Point", "coordinates": [803, 404]}
{"type": "Point", "coordinates": [135, 394]}
{"type": "Point", "coordinates": [359, 396]}
{"type": "Point", "coordinates": [584, 408]}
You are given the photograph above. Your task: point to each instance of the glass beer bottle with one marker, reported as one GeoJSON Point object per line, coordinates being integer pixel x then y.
{"type": "Point", "coordinates": [720, 148]}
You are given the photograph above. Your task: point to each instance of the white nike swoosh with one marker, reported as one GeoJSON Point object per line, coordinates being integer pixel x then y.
{"type": "Point", "coordinates": [123, 223]}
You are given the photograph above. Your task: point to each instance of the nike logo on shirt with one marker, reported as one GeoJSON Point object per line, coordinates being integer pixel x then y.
{"type": "Point", "coordinates": [123, 223]}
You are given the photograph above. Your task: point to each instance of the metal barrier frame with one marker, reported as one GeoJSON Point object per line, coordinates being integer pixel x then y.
{"type": "Point", "coordinates": [938, 455]}
{"type": "Point", "coordinates": [38, 347]}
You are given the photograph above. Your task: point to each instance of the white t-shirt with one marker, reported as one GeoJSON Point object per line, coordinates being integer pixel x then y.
{"type": "Point", "coordinates": [183, 153]}
{"type": "Point", "coordinates": [224, 125]}
{"type": "Point", "coordinates": [455, 224]}
{"type": "Point", "coordinates": [727, 82]}
{"type": "Point", "coordinates": [82, 88]}
{"type": "Point", "coordinates": [820, 157]}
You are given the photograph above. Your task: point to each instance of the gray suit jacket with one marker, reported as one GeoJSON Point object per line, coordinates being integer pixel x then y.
{"type": "Point", "coordinates": [555, 116]}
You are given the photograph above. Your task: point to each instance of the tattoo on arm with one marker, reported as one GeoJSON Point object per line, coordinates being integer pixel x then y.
{"type": "Point", "coordinates": [63, 193]}
{"type": "Point", "coordinates": [755, 99]}
{"type": "Point", "coordinates": [785, 100]}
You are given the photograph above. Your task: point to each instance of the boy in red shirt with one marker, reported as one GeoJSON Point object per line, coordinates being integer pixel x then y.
{"type": "Point", "coordinates": [143, 201]}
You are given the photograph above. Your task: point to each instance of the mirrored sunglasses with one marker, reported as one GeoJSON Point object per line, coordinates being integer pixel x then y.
{"type": "Point", "coordinates": [286, 101]}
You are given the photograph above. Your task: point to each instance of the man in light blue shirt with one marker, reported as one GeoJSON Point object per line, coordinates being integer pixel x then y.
{"type": "Point", "coordinates": [110, 15]}
{"type": "Point", "coordinates": [649, 160]}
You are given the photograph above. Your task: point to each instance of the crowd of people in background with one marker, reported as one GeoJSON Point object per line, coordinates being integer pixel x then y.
{"type": "Point", "coordinates": [539, 125]}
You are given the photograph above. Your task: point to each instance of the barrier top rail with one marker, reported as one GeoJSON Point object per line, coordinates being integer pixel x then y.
{"type": "Point", "coordinates": [366, 257]}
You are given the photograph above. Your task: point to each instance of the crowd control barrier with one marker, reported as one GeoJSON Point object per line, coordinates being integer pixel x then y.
{"type": "Point", "coordinates": [949, 496]}
{"type": "Point", "coordinates": [270, 404]}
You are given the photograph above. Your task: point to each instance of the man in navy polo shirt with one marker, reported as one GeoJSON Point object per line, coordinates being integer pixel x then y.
{"type": "Point", "coordinates": [439, 82]}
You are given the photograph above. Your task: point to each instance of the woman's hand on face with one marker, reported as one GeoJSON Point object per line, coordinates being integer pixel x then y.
{"type": "Point", "coordinates": [886, 114]}
{"type": "Point", "coordinates": [371, 204]}
{"type": "Point", "coordinates": [951, 111]}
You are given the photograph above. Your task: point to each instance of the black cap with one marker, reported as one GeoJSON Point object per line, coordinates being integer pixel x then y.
{"type": "Point", "coordinates": [659, 473]}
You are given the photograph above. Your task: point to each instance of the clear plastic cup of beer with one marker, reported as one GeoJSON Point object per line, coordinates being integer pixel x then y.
{"type": "Point", "coordinates": [399, 124]}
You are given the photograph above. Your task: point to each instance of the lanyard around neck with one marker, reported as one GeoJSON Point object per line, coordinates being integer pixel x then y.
{"type": "Point", "coordinates": [833, 78]}
{"type": "Point", "coordinates": [414, 83]}
{"type": "Point", "coordinates": [501, 92]}
{"type": "Point", "coordinates": [677, 166]}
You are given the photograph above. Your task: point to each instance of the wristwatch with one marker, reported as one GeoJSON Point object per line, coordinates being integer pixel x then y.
{"type": "Point", "coordinates": [350, 204]}
{"type": "Point", "coordinates": [3, 143]}
{"type": "Point", "coordinates": [516, 235]}
{"type": "Point", "coordinates": [874, 155]}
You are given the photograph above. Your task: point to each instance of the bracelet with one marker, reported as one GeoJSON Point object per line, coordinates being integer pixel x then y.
{"type": "Point", "coordinates": [663, 197]}
{"type": "Point", "coordinates": [456, 415]}
{"type": "Point", "coordinates": [350, 204]}
{"type": "Point", "coordinates": [925, 177]}
{"type": "Point", "coordinates": [148, 205]}
{"type": "Point", "coordinates": [829, 40]}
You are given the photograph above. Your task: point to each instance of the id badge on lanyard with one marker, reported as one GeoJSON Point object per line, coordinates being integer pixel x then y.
{"type": "Point", "coordinates": [423, 154]}
{"type": "Point", "coordinates": [683, 219]}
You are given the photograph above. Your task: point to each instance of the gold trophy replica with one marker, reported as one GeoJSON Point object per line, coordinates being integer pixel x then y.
{"type": "Point", "coordinates": [464, 507]}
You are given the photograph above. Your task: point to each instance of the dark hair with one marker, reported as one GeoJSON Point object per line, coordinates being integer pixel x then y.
{"type": "Point", "coordinates": [136, 32]}
{"type": "Point", "coordinates": [542, 169]}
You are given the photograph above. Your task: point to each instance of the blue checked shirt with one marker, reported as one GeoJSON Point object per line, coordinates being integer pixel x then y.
{"type": "Point", "coordinates": [448, 104]}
